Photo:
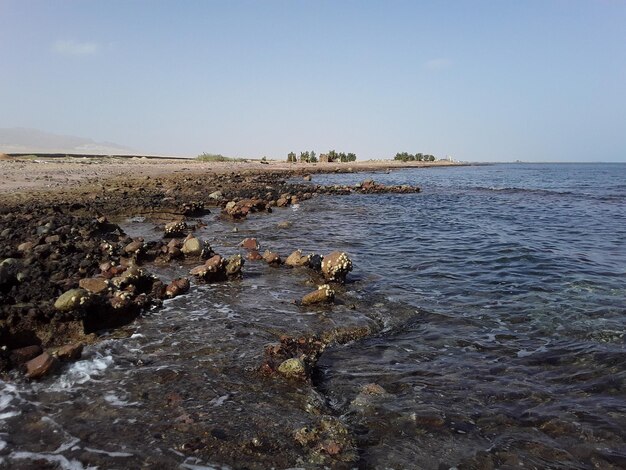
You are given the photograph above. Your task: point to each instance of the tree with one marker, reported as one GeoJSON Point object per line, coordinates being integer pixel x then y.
{"type": "Point", "coordinates": [291, 157]}
{"type": "Point", "coordinates": [312, 158]}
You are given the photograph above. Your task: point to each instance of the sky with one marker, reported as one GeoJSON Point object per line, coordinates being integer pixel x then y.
{"type": "Point", "coordinates": [476, 80]}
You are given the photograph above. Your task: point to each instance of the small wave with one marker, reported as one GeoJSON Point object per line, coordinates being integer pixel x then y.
{"type": "Point", "coordinates": [81, 372]}
{"type": "Point", "coordinates": [60, 460]}
{"type": "Point", "coordinates": [515, 189]}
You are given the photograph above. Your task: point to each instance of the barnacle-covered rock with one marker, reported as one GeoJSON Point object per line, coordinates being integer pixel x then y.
{"type": "Point", "coordinates": [213, 270]}
{"type": "Point", "coordinates": [336, 266]}
{"type": "Point", "coordinates": [323, 294]}
{"type": "Point", "coordinates": [72, 300]}
{"type": "Point", "coordinates": [175, 229]}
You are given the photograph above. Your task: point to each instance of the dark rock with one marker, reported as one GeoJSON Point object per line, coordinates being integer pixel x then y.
{"type": "Point", "coordinates": [25, 354]}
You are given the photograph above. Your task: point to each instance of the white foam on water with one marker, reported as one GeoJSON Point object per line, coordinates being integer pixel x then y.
{"type": "Point", "coordinates": [81, 372]}
{"type": "Point", "coordinates": [110, 454]}
{"type": "Point", "coordinates": [9, 414]}
{"type": "Point", "coordinates": [62, 461]}
{"type": "Point", "coordinates": [114, 400]}
{"type": "Point", "coordinates": [219, 401]}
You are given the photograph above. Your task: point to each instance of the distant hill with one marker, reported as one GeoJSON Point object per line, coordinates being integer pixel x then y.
{"type": "Point", "coordinates": [24, 140]}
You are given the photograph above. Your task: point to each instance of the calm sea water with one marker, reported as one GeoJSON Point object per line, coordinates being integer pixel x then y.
{"type": "Point", "coordinates": [497, 298]}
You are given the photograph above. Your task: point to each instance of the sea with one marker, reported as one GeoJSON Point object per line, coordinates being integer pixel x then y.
{"type": "Point", "coordinates": [495, 301]}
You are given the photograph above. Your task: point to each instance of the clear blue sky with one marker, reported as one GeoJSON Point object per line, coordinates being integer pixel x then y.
{"type": "Point", "coordinates": [480, 80]}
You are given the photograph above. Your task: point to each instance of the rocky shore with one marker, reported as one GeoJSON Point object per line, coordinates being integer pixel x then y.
{"type": "Point", "coordinates": [69, 272]}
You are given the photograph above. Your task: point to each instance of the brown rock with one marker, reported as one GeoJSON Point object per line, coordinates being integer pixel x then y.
{"type": "Point", "coordinates": [271, 258]}
{"type": "Point", "coordinates": [70, 352]}
{"type": "Point", "coordinates": [94, 284]}
{"type": "Point", "coordinates": [25, 247]}
{"type": "Point", "coordinates": [322, 294]}
{"type": "Point", "coordinates": [192, 247]}
{"type": "Point", "coordinates": [282, 202]}
{"type": "Point", "coordinates": [53, 239]}
{"type": "Point", "coordinates": [177, 287]}
{"type": "Point", "coordinates": [250, 244]}
{"type": "Point", "coordinates": [25, 354]}
{"type": "Point", "coordinates": [40, 366]}
{"type": "Point", "coordinates": [296, 259]}
{"type": "Point", "coordinates": [254, 256]}
{"type": "Point", "coordinates": [336, 266]}
{"type": "Point", "coordinates": [234, 265]}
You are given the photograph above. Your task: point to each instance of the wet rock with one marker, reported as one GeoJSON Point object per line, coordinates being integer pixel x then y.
{"type": "Point", "coordinates": [323, 294]}
{"type": "Point", "coordinates": [21, 355]}
{"type": "Point", "coordinates": [282, 202]}
{"type": "Point", "coordinates": [336, 266]}
{"type": "Point", "coordinates": [250, 244]}
{"type": "Point", "coordinates": [192, 247]}
{"type": "Point", "coordinates": [72, 300]}
{"type": "Point", "coordinates": [135, 247]}
{"type": "Point", "coordinates": [177, 287]}
{"type": "Point", "coordinates": [285, 224]}
{"type": "Point", "coordinates": [175, 229]}
{"type": "Point", "coordinates": [293, 368]}
{"type": "Point", "coordinates": [254, 256]}
{"type": "Point", "coordinates": [373, 389]}
{"type": "Point", "coordinates": [315, 262]}
{"type": "Point", "coordinates": [271, 258]}
{"type": "Point", "coordinates": [297, 259]}
{"type": "Point", "coordinates": [234, 266]}
{"type": "Point", "coordinates": [95, 285]}
{"type": "Point", "coordinates": [40, 366]}
{"type": "Point", "coordinates": [70, 352]}
{"type": "Point", "coordinates": [212, 271]}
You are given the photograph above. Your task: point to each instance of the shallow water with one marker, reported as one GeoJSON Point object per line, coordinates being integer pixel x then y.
{"type": "Point", "coordinates": [495, 299]}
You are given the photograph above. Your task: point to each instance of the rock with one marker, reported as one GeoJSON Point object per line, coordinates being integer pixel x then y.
{"type": "Point", "coordinates": [7, 274]}
{"type": "Point", "coordinates": [254, 256]}
{"type": "Point", "coordinates": [293, 368]}
{"type": "Point", "coordinates": [52, 239]}
{"type": "Point", "coordinates": [234, 265]}
{"type": "Point", "coordinates": [315, 262]}
{"type": "Point", "coordinates": [21, 355]}
{"type": "Point", "coordinates": [192, 247]}
{"type": "Point", "coordinates": [134, 247]}
{"type": "Point", "coordinates": [40, 366]}
{"type": "Point", "coordinates": [373, 389]}
{"type": "Point", "coordinates": [71, 300]}
{"type": "Point", "coordinates": [271, 258]}
{"type": "Point", "coordinates": [217, 195]}
{"type": "Point", "coordinates": [323, 294]}
{"type": "Point", "coordinates": [95, 285]}
{"type": "Point", "coordinates": [336, 266]}
{"type": "Point", "coordinates": [175, 229]}
{"type": "Point", "coordinates": [250, 244]}
{"type": "Point", "coordinates": [26, 247]}
{"type": "Point", "coordinates": [177, 287]}
{"type": "Point", "coordinates": [282, 202]}
{"type": "Point", "coordinates": [297, 259]}
{"type": "Point", "coordinates": [211, 271]}
{"type": "Point", "coordinates": [284, 224]}
{"type": "Point", "coordinates": [307, 178]}
{"type": "Point", "coordinates": [70, 352]}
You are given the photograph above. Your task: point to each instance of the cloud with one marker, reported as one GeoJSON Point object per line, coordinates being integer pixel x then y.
{"type": "Point", "coordinates": [437, 64]}
{"type": "Point", "coordinates": [74, 48]}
